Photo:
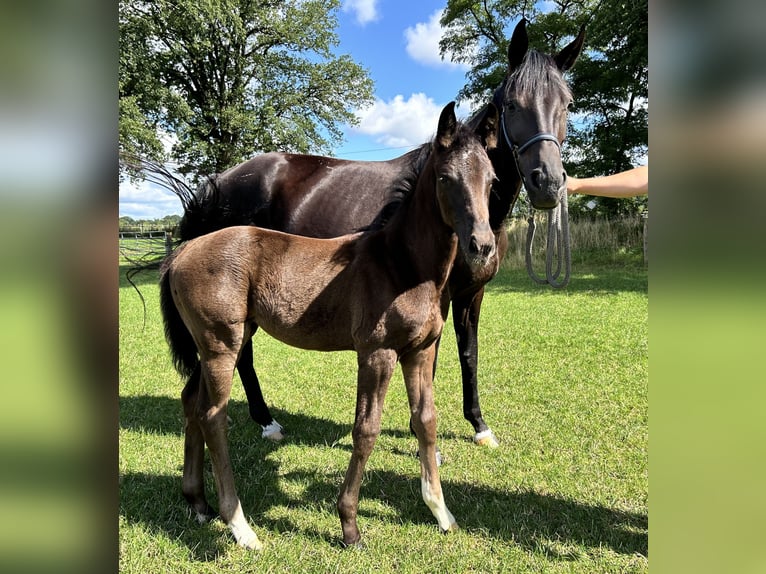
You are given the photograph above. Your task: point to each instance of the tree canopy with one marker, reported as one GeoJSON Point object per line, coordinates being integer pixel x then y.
{"type": "Point", "coordinates": [608, 129]}
{"type": "Point", "coordinates": [220, 80]}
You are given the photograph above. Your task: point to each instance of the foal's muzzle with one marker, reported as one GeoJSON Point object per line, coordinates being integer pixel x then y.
{"type": "Point", "coordinates": [481, 246]}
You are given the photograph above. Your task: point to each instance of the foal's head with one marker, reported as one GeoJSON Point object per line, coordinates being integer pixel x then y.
{"type": "Point", "coordinates": [464, 177]}
{"type": "Point", "coordinates": [535, 97]}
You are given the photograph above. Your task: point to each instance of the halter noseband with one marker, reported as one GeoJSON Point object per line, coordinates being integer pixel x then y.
{"type": "Point", "coordinates": [518, 149]}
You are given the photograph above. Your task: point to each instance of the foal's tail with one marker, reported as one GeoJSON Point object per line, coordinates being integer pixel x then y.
{"type": "Point", "coordinates": [182, 346]}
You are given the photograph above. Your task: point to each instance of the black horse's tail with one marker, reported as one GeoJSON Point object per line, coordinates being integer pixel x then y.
{"type": "Point", "coordinates": [203, 209]}
{"type": "Point", "coordinates": [182, 346]}
{"type": "Point", "coordinates": [198, 205]}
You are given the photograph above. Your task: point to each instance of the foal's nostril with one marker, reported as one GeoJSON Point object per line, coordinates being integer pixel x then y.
{"type": "Point", "coordinates": [482, 249]}
{"type": "Point", "coordinates": [537, 177]}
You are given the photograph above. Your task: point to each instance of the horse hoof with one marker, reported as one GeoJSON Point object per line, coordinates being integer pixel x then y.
{"type": "Point", "coordinates": [250, 542]}
{"type": "Point", "coordinates": [273, 431]}
{"type": "Point", "coordinates": [203, 518]}
{"type": "Point", "coordinates": [486, 438]}
{"type": "Point", "coordinates": [452, 528]}
{"type": "Point", "coordinates": [354, 546]}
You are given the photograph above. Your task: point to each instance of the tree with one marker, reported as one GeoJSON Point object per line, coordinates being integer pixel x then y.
{"type": "Point", "coordinates": [224, 79]}
{"type": "Point", "coordinates": [609, 120]}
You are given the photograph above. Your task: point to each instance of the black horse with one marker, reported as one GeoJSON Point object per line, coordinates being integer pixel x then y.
{"type": "Point", "coordinates": [327, 197]}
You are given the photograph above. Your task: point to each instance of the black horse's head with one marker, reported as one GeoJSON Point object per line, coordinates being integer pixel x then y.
{"type": "Point", "coordinates": [533, 101]}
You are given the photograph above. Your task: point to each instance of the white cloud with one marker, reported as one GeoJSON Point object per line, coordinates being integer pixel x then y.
{"type": "Point", "coordinates": [423, 43]}
{"type": "Point", "coordinates": [400, 122]}
{"type": "Point", "coordinates": [366, 10]}
{"type": "Point", "coordinates": [146, 200]}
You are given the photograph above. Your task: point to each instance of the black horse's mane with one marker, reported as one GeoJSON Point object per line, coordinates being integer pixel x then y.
{"type": "Point", "coordinates": [403, 187]}
{"type": "Point", "coordinates": [537, 72]}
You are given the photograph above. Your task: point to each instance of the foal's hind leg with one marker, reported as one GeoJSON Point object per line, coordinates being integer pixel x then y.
{"type": "Point", "coordinates": [418, 378]}
{"type": "Point", "coordinates": [259, 410]}
{"type": "Point", "coordinates": [192, 484]}
{"type": "Point", "coordinates": [217, 373]}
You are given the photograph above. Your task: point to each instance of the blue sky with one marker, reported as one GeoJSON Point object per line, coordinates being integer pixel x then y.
{"type": "Point", "coordinates": [397, 41]}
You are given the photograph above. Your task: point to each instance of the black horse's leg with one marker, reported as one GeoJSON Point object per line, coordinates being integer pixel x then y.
{"type": "Point", "coordinates": [259, 410]}
{"type": "Point", "coordinates": [465, 317]}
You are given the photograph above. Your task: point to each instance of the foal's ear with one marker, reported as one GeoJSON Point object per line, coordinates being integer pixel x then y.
{"type": "Point", "coordinates": [519, 45]}
{"type": "Point", "coordinates": [445, 134]}
{"type": "Point", "coordinates": [487, 128]}
{"type": "Point", "coordinates": [568, 55]}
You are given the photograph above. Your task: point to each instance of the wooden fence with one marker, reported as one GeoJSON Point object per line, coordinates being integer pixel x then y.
{"type": "Point", "coordinates": [138, 245]}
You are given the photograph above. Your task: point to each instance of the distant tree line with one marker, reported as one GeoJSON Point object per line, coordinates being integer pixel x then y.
{"type": "Point", "coordinates": [167, 223]}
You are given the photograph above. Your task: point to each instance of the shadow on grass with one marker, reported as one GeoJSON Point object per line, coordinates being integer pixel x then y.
{"type": "Point", "coordinates": [164, 415]}
{"type": "Point", "coordinates": [534, 521]}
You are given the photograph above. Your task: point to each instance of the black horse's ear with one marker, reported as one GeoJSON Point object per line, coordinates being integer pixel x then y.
{"type": "Point", "coordinates": [445, 134]}
{"type": "Point", "coordinates": [519, 45]}
{"type": "Point", "coordinates": [487, 129]}
{"type": "Point", "coordinates": [568, 55]}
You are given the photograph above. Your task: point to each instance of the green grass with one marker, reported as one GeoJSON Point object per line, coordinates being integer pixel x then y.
{"type": "Point", "coordinates": [563, 383]}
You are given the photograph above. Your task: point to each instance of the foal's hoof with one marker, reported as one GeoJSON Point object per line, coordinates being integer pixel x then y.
{"type": "Point", "coordinates": [486, 438]}
{"type": "Point", "coordinates": [202, 511]}
{"type": "Point", "coordinates": [357, 546]}
{"type": "Point", "coordinates": [204, 517]}
{"type": "Point", "coordinates": [452, 528]}
{"type": "Point", "coordinates": [273, 431]}
{"type": "Point", "coordinates": [249, 541]}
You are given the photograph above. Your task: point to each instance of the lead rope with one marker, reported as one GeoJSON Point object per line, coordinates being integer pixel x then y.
{"type": "Point", "coordinates": [558, 221]}
{"type": "Point", "coordinates": [557, 246]}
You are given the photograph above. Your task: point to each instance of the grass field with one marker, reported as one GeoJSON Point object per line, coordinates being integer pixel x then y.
{"type": "Point", "coordinates": [563, 383]}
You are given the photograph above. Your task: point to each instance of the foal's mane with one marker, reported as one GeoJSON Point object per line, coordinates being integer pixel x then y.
{"type": "Point", "coordinates": [403, 187]}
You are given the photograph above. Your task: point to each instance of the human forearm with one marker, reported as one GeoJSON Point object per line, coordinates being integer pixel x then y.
{"type": "Point", "coordinates": [628, 183]}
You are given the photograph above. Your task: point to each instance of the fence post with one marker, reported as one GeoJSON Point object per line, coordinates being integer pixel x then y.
{"type": "Point", "coordinates": [168, 243]}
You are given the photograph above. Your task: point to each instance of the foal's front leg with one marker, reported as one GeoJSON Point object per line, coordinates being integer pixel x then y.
{"type": "Point", "coordinates": [375, 372]}
{"type": "Point", "coordinates": [418, 378]}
